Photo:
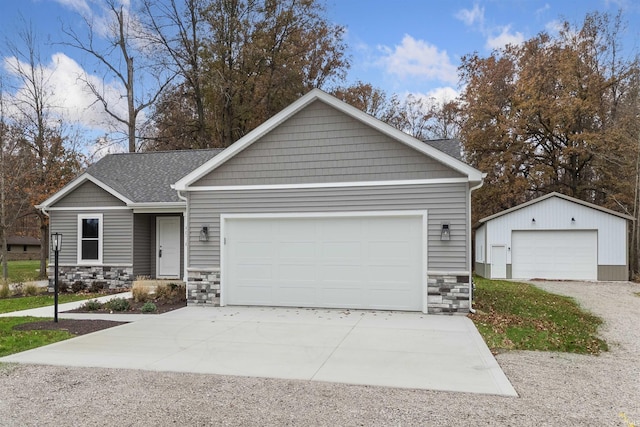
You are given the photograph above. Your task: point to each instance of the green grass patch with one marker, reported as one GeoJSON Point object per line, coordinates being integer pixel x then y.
{"type": "Point", "coordinates": [12, 341]}
{"type": "Point", "coordinates": [8, 305]}
{"type": "Point", "coordinates": [637, 294]}
{"type": "Point", "coordinates": [23, 271]}
{"type": "Point", "coordinates": [518, 316]}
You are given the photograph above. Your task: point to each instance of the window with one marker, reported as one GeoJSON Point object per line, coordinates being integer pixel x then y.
{"type": "Point", "coordinates": [90, 239]}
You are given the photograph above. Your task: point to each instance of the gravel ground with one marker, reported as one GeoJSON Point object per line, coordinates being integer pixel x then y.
{"type": "Point", "coordinates": [555, 389]}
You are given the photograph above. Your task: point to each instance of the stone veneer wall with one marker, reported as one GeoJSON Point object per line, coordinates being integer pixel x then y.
{"type": "Point", "coordinates": [203, 287]}
{"type": "Point", "coordinates": [93, 277]}
{"type": "Point", "coordinates": [448, 294]}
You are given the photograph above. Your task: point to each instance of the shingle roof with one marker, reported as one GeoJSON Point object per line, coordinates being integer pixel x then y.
{"type": "Point", "coordinates": [148, 176]}
{"type": "Point", "coordinates": [452, 147]}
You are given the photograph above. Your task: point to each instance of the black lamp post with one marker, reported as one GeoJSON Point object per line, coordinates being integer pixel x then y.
{"type": "Point", "coordinates": [56, 243]}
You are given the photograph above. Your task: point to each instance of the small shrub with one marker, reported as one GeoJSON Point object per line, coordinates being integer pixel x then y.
{"type": "Point", "coordinates": [78, 286]}
{"type": "Point", "coordinates": [163, 292]}
{"type": "Point", "coordinates": [31, 290]}
{"type": "Point", "coordinates": [148, 307]}
{"type": "Point", "coordinates": [4, 290]}
{"type": "Point", "coordinates": [92, 305]}
{"type": "Point", "coordinates": [96, 287]}
{"type": "Point", "coordinates": [117, 304]}
{"type": "Point", "coordinates": [63, 286]}
{"type": "Point", "coordinates": [140, 293]}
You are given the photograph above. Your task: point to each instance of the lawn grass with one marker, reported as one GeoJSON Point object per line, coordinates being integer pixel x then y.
{"type": "Point", "coordinates": [8, 305]}
{"type": "Point", "coordinates": [23, 271]}
{"type": "Point", "coordinates": [12, 341]}
{"type": "Point", "coordinates": [518, 316]}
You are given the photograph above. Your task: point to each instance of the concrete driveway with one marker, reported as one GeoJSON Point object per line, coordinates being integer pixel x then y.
{"type": "Point", "coordinates": [395, 349]}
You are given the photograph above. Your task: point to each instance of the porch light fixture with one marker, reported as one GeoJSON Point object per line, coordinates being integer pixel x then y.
{"type": "Point", "coordinates": [204, 234]}
{"type": "Point", "coordinates": [56, 245]}
{"type": "Point", "coordinates": [573, 220]}
{"type": "Point", "coordinates": [445, 233]}
{"type": "Point", "coordinates": [533, 220]}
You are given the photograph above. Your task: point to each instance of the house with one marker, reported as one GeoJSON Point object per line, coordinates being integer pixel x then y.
{"type": "Point", "coordinates": [320, 206]}
{"type": "Point", "coordinates": [22, 248]}
{"type": "Point", "coordinates": [553, 237]}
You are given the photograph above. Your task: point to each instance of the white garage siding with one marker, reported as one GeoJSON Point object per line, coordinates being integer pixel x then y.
{"type": "Point", "coordinates": [366, 260]}
{"type": "Point", "coordinates": [554, 214]}
{"type": "Point", "coordinates": [560, 254]}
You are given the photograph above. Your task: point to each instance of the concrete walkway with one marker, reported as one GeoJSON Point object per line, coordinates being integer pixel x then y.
{"type": "Point", "coordinates": [407, 350]}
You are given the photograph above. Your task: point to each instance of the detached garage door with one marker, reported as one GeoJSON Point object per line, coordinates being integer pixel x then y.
{"type": "Point", "coordinates": [566, 255]}
{"type": "Point", "coordinates": [369, 262]}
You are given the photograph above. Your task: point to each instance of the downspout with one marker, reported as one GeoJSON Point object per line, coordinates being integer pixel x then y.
{"type": "Point", "coordinates": [471, 190]}
{"type": "Point", "coordinates": [185, 233]}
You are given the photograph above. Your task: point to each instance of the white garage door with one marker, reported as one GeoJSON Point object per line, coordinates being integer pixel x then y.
{"type": "Point", "coordinates": [566, 255]}
{"type": "Point", "coordinates": [370, 262]}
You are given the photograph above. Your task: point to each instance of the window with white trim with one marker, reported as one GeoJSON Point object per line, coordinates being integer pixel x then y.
{"type": "Point", "coordinates": [90, 239]}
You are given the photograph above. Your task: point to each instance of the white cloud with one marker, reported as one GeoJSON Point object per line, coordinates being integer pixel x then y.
{"type": "Point", "coordinates": [68, 96]}
{"type": "Point", "coordinates": [441, 95]}
{"type": "Point", "coordinates": [471, 16]}
{"type": "Point", "coordinates": [418, 58]}
{"type": "Point", "coordinates": [504, 38]}
{"type": "Point", "coordinates": [81, 6]}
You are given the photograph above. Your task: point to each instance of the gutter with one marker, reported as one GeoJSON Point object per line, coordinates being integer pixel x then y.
{"type": "Point", "coordinates": [471, 190]}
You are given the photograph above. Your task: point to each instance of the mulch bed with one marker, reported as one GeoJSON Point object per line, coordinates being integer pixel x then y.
{"type": "Point", "coordinates": [73, 326]}
{"type": "Point", "coordinates": [134, 308]}
{"type": "Point", "coordinates": [82, 326]}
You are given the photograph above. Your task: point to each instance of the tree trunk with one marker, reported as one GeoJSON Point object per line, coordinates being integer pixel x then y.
{"type": "Point", "coordinates": [44, 245]}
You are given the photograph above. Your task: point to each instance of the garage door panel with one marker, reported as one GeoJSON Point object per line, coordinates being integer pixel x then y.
{"type": "Point", "coordinates": [354, 262]}
{"type": "Point", "coordinates": [555, 254]}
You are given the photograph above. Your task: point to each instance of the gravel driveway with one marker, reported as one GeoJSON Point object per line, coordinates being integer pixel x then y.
{"type": "Point", "coordinates": [555, 388]}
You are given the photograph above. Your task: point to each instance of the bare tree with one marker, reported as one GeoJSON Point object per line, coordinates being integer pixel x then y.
{"type": "Point", "coordinates": [124, 44]}
{"type": "Point", "coordinates": [174, 27]}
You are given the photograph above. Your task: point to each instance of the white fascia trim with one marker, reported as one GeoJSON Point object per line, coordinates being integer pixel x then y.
{"type": "Point", "coordinates": [330, 185]}
{"type": "Point", "coordinates": [89, 209]}
{"type": "Point", "coordinates": [317, 94]}
{"type": "Point", "coordinates": [75, 183]}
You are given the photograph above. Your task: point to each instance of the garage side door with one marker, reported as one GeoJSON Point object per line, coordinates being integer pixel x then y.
{"type": "Point", "coordinates": [566, 255]}
{"type": "Point", "coordinates": [343, 262]}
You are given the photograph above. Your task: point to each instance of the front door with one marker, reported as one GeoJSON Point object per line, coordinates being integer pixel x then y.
{"type": "Point", "coordinates": [498, 262]}
{"type": "Point", "coordinates": [168, 247]}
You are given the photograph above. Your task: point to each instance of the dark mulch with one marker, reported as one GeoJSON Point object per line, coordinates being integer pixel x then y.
{"type": "Point", "coordinates": [81, 326]}
{"type": "Point", "coordinates": [134, 307]}
{"type": "Point", "coordinates": [73, 326]}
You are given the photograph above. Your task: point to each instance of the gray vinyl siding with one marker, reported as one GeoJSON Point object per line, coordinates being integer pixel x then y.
{"type": "Point", "coordinates": [142, 248]}
{"type": "Point", "coordinates": [444, 202]}
{"type": "Point", "coordinates": [117, 231]}
{"type": "Point", "coordinates": [320, 144]}
{"type": "Point", "coordinates": [88, 194]}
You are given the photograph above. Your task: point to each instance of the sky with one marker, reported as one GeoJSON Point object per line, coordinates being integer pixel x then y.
{"type": "Point", "coordinates": [400, 46]}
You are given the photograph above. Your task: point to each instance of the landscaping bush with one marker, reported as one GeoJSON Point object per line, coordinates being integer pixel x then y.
{"type": "Point", "coordinates": [171, 292]}
{"type": "Point", "coordinates": [97, 287]}
{"type": "Point", "coordinates": [92, 305]}
{"type": "Point", "coordinates": [117, 304]}
{"type": "Point", "coordinates": [5, 292]}
{"type": "Point", "coordinates": [31, 290]}
{"type": "Point", "coordinates": [63, 287]}
{"type": "Point", "coordinates": [78, 286]}
{"type": "Point", "coordinates": [140, 293]}
{"type": "Point", "coordinates": [148, 307]}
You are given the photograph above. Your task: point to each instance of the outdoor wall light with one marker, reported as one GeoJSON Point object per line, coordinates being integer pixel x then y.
{"type": "Point", "coordinates": [573, 220]}
{"type": "Point", "coordinates": [445, 233]}
{"type": "Point", "coordinates": [533, 220]}
{"type": "Point", "coordinates": [204, 234]}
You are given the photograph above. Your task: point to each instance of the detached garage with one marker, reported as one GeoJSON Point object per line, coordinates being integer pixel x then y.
{"type": "Point", "coordinates": [553, 237]}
